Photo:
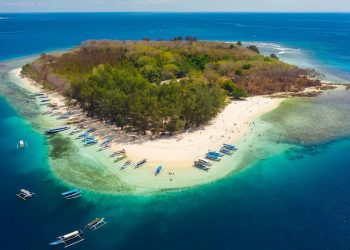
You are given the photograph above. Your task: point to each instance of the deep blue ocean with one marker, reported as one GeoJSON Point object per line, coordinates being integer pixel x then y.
{"type": "Point", "coordinates": [295, 199]}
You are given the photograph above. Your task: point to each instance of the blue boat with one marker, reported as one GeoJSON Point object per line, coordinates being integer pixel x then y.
{"type": "Point", "coordinates": [226, 151]}
{"type": "Point", "coordinates": [230, 147]}
{"type": "Point", "coordinates": [90, 130]}
{"type": "Point", "coordinates": [158, 170]}
{"type": "Point", "coordinates": [56, 130]}
{"type": "Point", "coordinates": [213, 158]}
{"type": "Point", "coordinates": [71, 194]}
{"type": "Point", "coordinates": [108, 140]}
{"type": "Point", "coordinates": [88, 138]}
{"type": "Point", "coordinates": [216, 154]}
{"type": "Point", "coordinates": [83, 135]}
{"type": "Point", "coordinates": [89, 143]}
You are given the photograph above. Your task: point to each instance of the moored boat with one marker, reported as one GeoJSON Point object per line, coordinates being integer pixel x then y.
{"type": "Point", "coordinates": [212, 157]}
{"type": "Point", "coordinates": [92, 142]}
{"type": "Point", "coordinates": [56, 130]}
{"type": "Point", "coordinates": [229, 147]}
{"type": "Point", "coordinates": [71, 194]}
{"type": "Point", "coordinates": [88, 138]}
{"type": "Point", "coordinates": [22, 144]}
{"type": "Point", "coordinates": [127, 163]}
{"type": "Point", "coordinates": [201, 166]}
{"type": "Point", "coordinates": [204, 162]}
{"type": "Point", "coordinates": [69, 239]}
{"type": "Point", "coordinates": [96, 224]}
{"type": "Point", "coordinates": [118, 153]}
{"type": "Point", "coordinates": [120, 158]}
{"type": "Point", "coordinates": [226, 151]}
{"type": "Point", "coordinates": [25, 194]}
{"type": "Point", "coordinates": [158, 170]}
{"type": "Point", "coordinates": [90, 130]}
{"type": "Point", "coordinates": [141, 163]}
{"type": "Point", "coordinates": [215, 154]}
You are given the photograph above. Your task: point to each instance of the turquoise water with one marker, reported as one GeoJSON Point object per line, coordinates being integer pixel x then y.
{"type": "Point", "coordinates": [292, 194]}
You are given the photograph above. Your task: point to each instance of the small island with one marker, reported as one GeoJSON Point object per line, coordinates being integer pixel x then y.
{"type": "Point", "coordinates": [166, 102]}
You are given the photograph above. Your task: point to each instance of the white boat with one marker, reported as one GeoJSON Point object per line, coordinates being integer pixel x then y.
{"type": "Point", "coordinates": [69, 239]}
{"type": "Point", "coordinates": [25, 194]}
{"type": "Point", "coordinates": [21, 144]}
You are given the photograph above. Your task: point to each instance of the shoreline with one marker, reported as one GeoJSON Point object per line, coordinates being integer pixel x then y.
{"type": "Point", "coordinates": [175, 154]}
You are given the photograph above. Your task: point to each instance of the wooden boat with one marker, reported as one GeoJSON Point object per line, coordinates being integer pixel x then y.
{"type": "Point", "coordinates": [69, 239]}
{"type": "Point", "coordinates": [158, 170]}
{"type": "Point", "coordinates": [83, 135]}
{"type": "Point", "coordinates": [92, 142]}
{"type": "Point", "coordinates": [63, 117]}
{"type": "Point", "coordinates": [201, 166]}
{"type": "Point", "coordinates": [96, 224]}
{"type": "Point", "coordinates": [75, 131]}
{"type": "Point", "coordinates": [25, 194]}
{"type": "Point", "coordinates": [90, 130]}
{"type": "Point", "coordinates": [46, 112]}
{"type": "Point", "coordinates": [215, 154]}
{"type": "Point", "coordinates": [88, 138]}
{"type": "Point", "coordinates": [106, 141]}
{"type": "Point", "coordinates": [141, 163]}
{"type": "Point", "coordinates": [226, 151]}
{"type": "Point", "coordinates": [71, 194]}
{"type": "Point", "coordinates": [229, 147]}
{"type": "Point", "coordinates": [127, 163]}
{"type": "Point", "coordinates": [213, 158]}
{"type": "Point", "coordinates": [120, 158]}
{"type": "Point", "coordinates": [56, 130]}
{"type": "Point", "coordinates": [204, 162]}
{"type": "Point", "coordinates": [120, 152]}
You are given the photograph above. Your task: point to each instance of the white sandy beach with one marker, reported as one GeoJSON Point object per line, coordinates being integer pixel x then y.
{"type": "Point", "coordinates": [177, 154]}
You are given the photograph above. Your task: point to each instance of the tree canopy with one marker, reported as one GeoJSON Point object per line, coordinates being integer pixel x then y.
{"type": "Point", "coordinates": [163, 85]}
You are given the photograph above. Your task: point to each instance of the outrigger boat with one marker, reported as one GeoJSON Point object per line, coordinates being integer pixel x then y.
{"type": "Point", "coordinates": [158, 170]}
{"type": "Point", "coordinates": [22, 144]}
{"type": "Point", "coordinates": [71, 194]}
{"type": "Point", "coordinates": [141, 163]}
{"type": "Point", "coordinates": [88, 138]}
{"type": "Point", "coordinates": [92, 142]}
{"type": "Point", "coordinates": [213, 158]}
{"type": "Point", "coordinates": [229, 147]}
{"type": "Point", "coordinates": [76, 130]}
{"type": "Point", "coordinates": [201, 166]}
{"type": "Point", "coordinates": [56, 130]}
{"type": "Point", "coordinates": [46, 112]}
{"type": "Point", "coordinates": [96, 224]}
{"type": "Point", "coordinates": [226, 151]}
{"type": "Point", "coordinates": [63, 117]}
{"type": "Point", "coordinates": [120, 158]}
{"type": "Point", "coordinates": [125, 165]}
{"type": "Point", "coordinates": [69, 239]}
{"type": "Point", "coordinates": [107, 141]}
{"type": "Point", "coordinates": [204, 162]}
{"type": "Point", "coordinates": [25, 194]}
{"type": "Point", "coordinates": [215, 154]}
{"type": "Point", "coordinates": [90, 130]}
{"type": "Point", "coordinates": [120, 152]}
{"type": "Point", "coordinates": [83, 135]}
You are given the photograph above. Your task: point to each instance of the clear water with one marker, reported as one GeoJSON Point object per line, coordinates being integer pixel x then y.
{"type": "Point", "coordinates": [292, 194]}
